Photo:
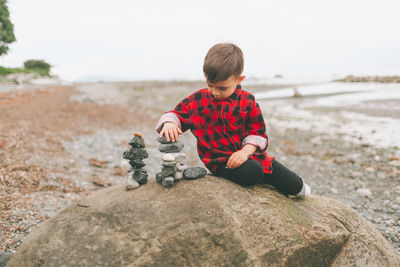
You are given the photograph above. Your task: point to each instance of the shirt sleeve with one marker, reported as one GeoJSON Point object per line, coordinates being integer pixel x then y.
{"type": "Point", "coordinates": [255, 130]}
{"type": "Point", "coordinates": [180, 116]}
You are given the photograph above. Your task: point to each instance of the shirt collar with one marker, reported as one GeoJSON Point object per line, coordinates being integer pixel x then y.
{"type": "Point", "coordinates": [236, 93]}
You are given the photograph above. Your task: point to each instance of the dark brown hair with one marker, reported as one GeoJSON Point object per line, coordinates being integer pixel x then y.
{"type": "Point", "coordinates": [222, 61]}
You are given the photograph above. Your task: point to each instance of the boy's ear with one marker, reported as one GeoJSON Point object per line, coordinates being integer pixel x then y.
{"type": "Point", "coordinates": [240, 79]}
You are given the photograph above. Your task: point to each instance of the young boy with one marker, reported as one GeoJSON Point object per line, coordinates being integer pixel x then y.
{"type": "Point", "coordinates": [229, 126]}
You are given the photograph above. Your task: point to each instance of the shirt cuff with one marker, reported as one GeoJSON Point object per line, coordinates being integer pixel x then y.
{"type": "Point", "coordinates": [256, 140]}
{"type": "Point", "coordinates": [170, 117]}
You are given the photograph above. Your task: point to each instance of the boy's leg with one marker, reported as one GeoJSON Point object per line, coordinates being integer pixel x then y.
{"type": "Point", "coordinates": [249, 173]}
{"type": "Point", "coordinates": [283, 179]}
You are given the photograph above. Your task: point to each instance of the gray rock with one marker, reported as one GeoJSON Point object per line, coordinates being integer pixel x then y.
{"type": "Point", "coordinates": [140, 176]}
{"type": "Point", "coordinates": [168, 171]}
{"type": "Point", "coordinates": [171, 148]}
{"type": "Point", "coordinates": [159, 177]}
{"type": "Point", "coordinates": [136, 163]}
{"type": "Point", "coordinates": [195, 219]}
{"type": "Point", "coordinates": [168, 163]}
{"type": "Point", "coordinates": [135, 153]}
{"type": "Point", "coordinates": [181, 167]}
{"type": "Point", "coordinates": [131, 184]}
{"type": "Point", "coordinates": [177, 157]}
{"type": "Point", "coordinates": [168, 157]}
{"type": "Point", "coordinates": [137, 142]}
{"type": "Point", "coordinates": [167, 182]}
{"type": "Point", "coordinates": [163, 140]}
{"type": "Point", "coordinates": [178, 176]}
{"type": "Point", "coordinates": [194, 173]}
{"type": "Point", "coordinates": [365, 192]}
{"type": "Point", "coordinates": [5, 257]}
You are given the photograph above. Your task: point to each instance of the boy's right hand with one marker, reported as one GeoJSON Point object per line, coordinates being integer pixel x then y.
{"type": "Point", "coordinates": [171, 131]}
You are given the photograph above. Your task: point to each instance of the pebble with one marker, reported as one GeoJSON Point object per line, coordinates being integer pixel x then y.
{"type": "Point", "coordinates": [178, 176]}
{"type": "Point", "coordinates": [159, 177]}
{"type": "Point", "coordinates": [131, 184]}
{"type": "Point", "coordinates": [181, 167]}
{"type": "Point", "coordinates": [168, 182]}
{"type": "Point", "coordinates": [136, 163]}
{"type": "Point", "coordinates": [194, 173]}
{"type": "Point", "coordinates": [177, 157]}
{"type": "Point", "coordinates": [364, 192]}
{"type": "Point", "coordinates": [168, 171]}
{"type": "Point", "coordinates": [137, 142]}
{"type": "Point", "coordinates": [169, 163]}
{"type": "Point", "coordinates": [168, 157]}
{"type": "Point", "coordinates": [394, 163]}
{"type": "Point", "coordinates": [140, 176]}
{"type": "Point", "coordinates": [171, 148]}
{"type": "Point", "coordinates": [138, 153]}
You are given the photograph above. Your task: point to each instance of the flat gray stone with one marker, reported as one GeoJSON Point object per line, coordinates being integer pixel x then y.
{"type": "Point", "coordinates": [163, 140]}
{"type": "Point", "coordinates": [136, 163]}
{"type": "Point", "coordinates": [168, 163]}
{"type": "Point", "coordinates": [167, 182]}
{"type": "Point", "coordinates": [177, 157]}
{"type": "Point", "coordinates": [171, 148]}
{"type": "Point", "coordinates": [135, 153]}
{"type": "Point", "coordinates": [168, 171]}
{"type": "Point", "coordinates": [194, 173]}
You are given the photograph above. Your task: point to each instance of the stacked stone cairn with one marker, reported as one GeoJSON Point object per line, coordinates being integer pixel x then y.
{"type": "Point", "coordinates": [135, 155]}
{"type": "Point", "coordinates": [173, 163]}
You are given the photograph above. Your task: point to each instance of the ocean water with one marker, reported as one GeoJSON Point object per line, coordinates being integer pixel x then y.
{"type": "Point", "coordinates": [366, 113]}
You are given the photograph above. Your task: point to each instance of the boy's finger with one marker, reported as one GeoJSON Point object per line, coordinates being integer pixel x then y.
{"type": "Point", "coordinates": [175, 134]}
{"type": "Point", "coordinates": [166, 135]}
{"type": "Point", "coordinates": [172, 135]}
{"type": "Point", "coordinates": [180, 131]}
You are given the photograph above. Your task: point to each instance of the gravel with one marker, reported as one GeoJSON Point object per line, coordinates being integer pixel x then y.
{"type": "Point", "coordinates": [361, 175]}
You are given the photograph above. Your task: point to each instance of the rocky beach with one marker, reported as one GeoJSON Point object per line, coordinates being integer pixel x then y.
{"type": "Point", "coordinates": [58, 144]}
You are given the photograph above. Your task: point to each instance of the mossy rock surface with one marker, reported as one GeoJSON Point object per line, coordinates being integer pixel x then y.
{"type": "Point", "coordinates": [205, 222]}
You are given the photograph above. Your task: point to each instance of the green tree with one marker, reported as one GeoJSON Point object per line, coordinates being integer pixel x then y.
{"type": "Point", "coordinates": [38, 65]}
{"type": "Point", "coordinates": [6, 28]}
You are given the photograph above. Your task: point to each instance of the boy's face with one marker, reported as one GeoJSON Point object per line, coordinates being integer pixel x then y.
{"type": "Point", "coordinates": [224, 89]}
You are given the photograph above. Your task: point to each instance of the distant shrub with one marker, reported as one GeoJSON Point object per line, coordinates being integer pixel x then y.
{"type": "Point", "coordinates": [39, 66]}
{"type": "Point", "coordinates": [6, 71]}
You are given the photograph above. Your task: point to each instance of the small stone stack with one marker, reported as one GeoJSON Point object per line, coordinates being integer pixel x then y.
{"type": "Point", "coordinates": [173, 162]}
{"type": "Point", "coordinates": [135, 156]}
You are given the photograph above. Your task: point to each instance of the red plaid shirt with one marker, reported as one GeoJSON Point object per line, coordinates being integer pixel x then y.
{"type": "Point", "coordinates": [222, 126]}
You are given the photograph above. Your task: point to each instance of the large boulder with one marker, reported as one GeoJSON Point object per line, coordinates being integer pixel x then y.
{"type": "Point", "coordinates": [205, 222]}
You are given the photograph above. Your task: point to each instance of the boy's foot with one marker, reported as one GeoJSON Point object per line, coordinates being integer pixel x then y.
{"type": "Point", "coordinates": [305, 191]}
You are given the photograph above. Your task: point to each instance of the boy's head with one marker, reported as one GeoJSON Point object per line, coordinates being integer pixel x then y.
{"type": "Point", "coordinates": [223, 66]}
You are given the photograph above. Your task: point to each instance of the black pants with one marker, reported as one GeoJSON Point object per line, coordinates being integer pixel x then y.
{"type": "Point", "coordinates": [251, 172]}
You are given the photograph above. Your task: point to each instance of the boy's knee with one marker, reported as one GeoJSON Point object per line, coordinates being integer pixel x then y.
{"type": "Point", "coordinates": [254, 172]}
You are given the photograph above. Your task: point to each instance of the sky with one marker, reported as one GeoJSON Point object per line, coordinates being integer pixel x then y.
{"type": "Point", "coordinates": [155, 39]}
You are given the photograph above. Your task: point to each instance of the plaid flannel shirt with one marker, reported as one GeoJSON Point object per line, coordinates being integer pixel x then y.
{"type": "Point", "coordinates": [222, 127]}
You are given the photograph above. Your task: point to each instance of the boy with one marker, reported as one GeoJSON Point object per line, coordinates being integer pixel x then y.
{"type": "Point", "coordinates": [229, 126]}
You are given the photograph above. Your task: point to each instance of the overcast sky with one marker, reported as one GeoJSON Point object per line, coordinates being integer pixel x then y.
{"type": "Point", "coordinates": [153, 39]}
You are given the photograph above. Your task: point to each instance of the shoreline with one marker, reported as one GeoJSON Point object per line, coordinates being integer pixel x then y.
{"type": "Point", "coordinates": [49, 141]}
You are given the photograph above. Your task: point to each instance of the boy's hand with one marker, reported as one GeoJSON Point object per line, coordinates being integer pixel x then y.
{"type": "Point", "coordinates": [171, 131]}
{"type": "Point", "coordinates": [237, 158]}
